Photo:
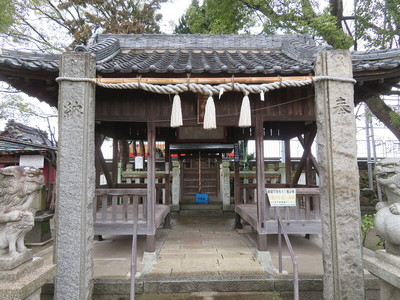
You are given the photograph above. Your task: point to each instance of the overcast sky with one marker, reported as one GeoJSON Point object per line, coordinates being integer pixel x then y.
{"type": "Point", "coordinates": [172, 11]}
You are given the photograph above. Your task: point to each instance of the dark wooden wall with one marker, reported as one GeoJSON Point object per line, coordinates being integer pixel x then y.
{"type": "Point", "coordinates": [296, 104]}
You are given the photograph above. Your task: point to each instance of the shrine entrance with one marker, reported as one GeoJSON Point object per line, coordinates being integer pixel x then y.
{"type": "Point", "coordinates": [200, 175]}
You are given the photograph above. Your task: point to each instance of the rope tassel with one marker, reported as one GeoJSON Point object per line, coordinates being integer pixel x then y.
{"type": "Point", "coordinates": [209, 115]}
{"type": "Point", "coordinates": [176, 114]}
{"type": "Point", "coordinates": [245, 113]}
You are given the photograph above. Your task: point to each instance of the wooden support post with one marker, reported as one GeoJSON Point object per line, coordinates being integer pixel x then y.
{"type": "Point", "coordinates": [288, 163]}
{"type": "Point", "coordinates": [115, 163]}
{"type": "Point", "coordinates": [261, 204]}
{"type": "Point", "coordinates": [168, 169]}
{"type": "Point", "coordinates": [238, 198]}
{"type": "Point", "coordinates": [237, 195]}
{"type": "Point", "coordinates": [97, 150]}
{"type": "Point", "coordinates": [151, 187]}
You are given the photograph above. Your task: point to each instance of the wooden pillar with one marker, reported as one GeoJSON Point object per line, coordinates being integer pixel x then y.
{"type": "Point", "coordinates": [339, 188]}
{"type": "Point", "coordinates": [98, 142]}
{"type": "Point", "coordinates": [288, 163]}
{"type": "Point", "coordinates": [168, 169]}
{"type": "Point", "coordinates": [75, 179]}
{"type": "Point", "coordinates": [151, 187]}
{"type": "Point", "coordinates": [238, 199]}
{"type": "Point", "coordinates": [115, 163]}
{"type": "Point", "coordinates": [261, 204]}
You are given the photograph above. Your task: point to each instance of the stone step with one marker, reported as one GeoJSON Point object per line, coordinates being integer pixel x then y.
{"type": "Point", "coordinates": [213, 296]}
{"type": "Point", "coordinates": [201, 206]}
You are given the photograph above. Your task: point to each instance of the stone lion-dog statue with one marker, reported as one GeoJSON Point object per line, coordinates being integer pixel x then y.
{"type": "Point", "coordinates": [387, 218]}
{"type": "Point", "coordinates": [19, 187]}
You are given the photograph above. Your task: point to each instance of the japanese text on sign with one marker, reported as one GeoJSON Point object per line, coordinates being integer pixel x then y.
{"type": "Point", "coordinates": [282, 197]}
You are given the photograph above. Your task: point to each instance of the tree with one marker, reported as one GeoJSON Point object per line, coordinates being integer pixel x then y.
{"type": "Point", "coordinates": [377, 24]}
{"type": "Point", "coordinates": [79, 20]}
{"type": "Point", "coordinates": [216, 17]}
{"type": "Point", "coordinates": [288, 16]}
{"type": "Point", "coordinates": [6, 16]}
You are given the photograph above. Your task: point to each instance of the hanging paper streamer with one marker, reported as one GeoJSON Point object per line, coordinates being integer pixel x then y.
{"type": "Point", "coordinates": [245, 113]}
{"type": "Point", "coordinates": [221, 91]}
{"type": "Point", "coordinates": [262, 95]}
{"type": "Point", "coordinates": [209, 115]}
{"type": "Point", "coordinates": [176, 114]}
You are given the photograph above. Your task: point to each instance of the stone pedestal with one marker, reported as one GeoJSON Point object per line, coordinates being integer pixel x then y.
{"type": "Point", "coordinates": [386, 267]}
{"type": "Point", "coordinates": [25, 281]}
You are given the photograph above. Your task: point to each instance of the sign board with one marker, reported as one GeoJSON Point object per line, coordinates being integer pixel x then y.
{"type": "Point", "coordinates": [236, 151]}
{"type": "Point", "coordinates": [138, 162]}
{"type": "Point", "coordinates": [36, 161]}
{"type": "Point", "coordinates": [282, 197]}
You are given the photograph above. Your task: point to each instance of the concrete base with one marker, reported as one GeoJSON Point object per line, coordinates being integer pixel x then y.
{"type": "Point", "coordinates": [386, 267]}
{"type": "Point", "coordinates": [9, 263]}
{"type": "Point", "coordinates": [264, 258]}
{"type": "Point", "coordinates": [25, 281]}
{"type": "Point", "coordinates": [149, 257]}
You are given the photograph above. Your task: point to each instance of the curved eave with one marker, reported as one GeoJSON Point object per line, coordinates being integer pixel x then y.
{"type": "Point", "coordinates": [40, 84]}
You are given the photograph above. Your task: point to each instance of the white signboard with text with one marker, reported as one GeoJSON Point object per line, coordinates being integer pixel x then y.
{"type": "Point", "coordinates": [282, 197]}
{"type": "Point", "coordinates": [36, 161]}
{"type": "Point", "coordinates": [139, 162]}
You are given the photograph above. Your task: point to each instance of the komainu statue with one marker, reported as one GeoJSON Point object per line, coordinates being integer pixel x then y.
{"type": "Point", "coordinates": [387, 218]}
{"type": "Point", "coordinates": [19, 186]}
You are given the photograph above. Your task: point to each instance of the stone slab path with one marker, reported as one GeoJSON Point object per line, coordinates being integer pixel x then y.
{"type": "Point", "coordinates": [199, 245]}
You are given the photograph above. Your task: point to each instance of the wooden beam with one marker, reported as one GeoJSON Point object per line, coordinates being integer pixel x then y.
{"type": "Point", "coordinates": [313, 160]}
{"type": "Point", "coordinates": [9, 160]}
{"type": "Point", "coordinates": [306, 152]}
{"type": "Point", "coordinates": [202, 80]}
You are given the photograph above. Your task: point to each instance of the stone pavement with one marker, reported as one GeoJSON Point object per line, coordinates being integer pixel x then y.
{"type": "Point", "coordinates": [202, 245]}
{"type": "Point", "coordinates": [205, 246]}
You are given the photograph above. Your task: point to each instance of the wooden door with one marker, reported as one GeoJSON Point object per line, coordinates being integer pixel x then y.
{"type": "Point", "coordinates": [200, 175]}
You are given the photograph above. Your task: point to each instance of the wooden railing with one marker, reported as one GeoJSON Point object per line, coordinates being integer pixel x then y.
{"type": "Point", "coordinates": [138, 180]}
{"type": "Point", "coordinates": [307, 207]}
{"type": "Point", "coordinates": [281, 229]}
{"type": "Point", "coordinates": [109, 203]}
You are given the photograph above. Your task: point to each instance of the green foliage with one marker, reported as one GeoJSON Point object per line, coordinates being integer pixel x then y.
{"type": "Point", "coordinates": [395, 119]}
{"type": "Point", "coordinates": [378, 23]}
{"type": "Point", "coordinates": [14, 106]}
{"type": "Point", "coordinates": [216, 17]}
{"type": "Point", "coordinates": [367, 224]}
{"type": "Point", "coordinates": [77, 21]}
{"type": "Point", "coordinates": [287, 16]}
{"type": "Point", "coordinates": [6, 15]}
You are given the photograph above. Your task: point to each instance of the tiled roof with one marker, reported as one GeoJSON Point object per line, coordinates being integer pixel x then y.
{"type": "Point", "coordinates": [231, 54]}
{"type": "Point", "coordinates": [10, 146]}
{"type": "Point", "coordinates": [35, 61]}
{"type": "Point", "coordinates": [26, 134]}
{"type": "Point", "coordinates": [121, 55]}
